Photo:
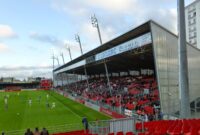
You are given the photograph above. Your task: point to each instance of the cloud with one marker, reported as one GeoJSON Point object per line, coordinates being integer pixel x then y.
{"type": "Point", "coordinates": [22, 72]}
{"type": "Point", "coordinates": [7, 32]}
{"type": "Point", "coordinates": [70, 7]}
{"type": "Point", "coordinates": [3, 48]}
{"type": "Point", "coordinates": [119, 15]}
{"type": "Point", "coordinates": [45, 38]}
{"type": "Point", "coordinates": [57, 44]}
{"type": "Point", "coordinates": [17, 68]}
{"type": "Point", "coordinates": [112, 6]}
{"type": "Point", "coordinates": [158, 11]}
{"type": "Point", "coordinates": [82, 7]}
{"type": "Point", "coordinates": [91, 38]}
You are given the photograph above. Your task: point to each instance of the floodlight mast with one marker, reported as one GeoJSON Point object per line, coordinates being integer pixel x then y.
{"type": "Point", "coordinates": [77, 38]}
{"type": "Point", "coordinates": [69, 51]}
{"type": "Point", "coordinates": [96, 25]}
{"type": "Point", "coordinates": [58, 66]}
{"type": "Point", "coordinates": [183, 63]}
{"type": "Point", "coordinates": [61, 54]}
{"type": "Point", "coordinates": [53, 68]}
{"type": "Point", "coordinates": [57, 61]}
{"type": "Point", "coordinates": [70, 55]}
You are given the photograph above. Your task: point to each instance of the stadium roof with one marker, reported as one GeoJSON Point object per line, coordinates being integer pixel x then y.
{"type": "Point", "coordinates": [130, 60]}
{"type": "Point", "coordinates": [144, 28]}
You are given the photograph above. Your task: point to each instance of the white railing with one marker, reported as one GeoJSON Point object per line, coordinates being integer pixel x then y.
{"type": "Point", "coordinates": [52, 129]}
{"type": "Point", "coordinates": [104, 127]}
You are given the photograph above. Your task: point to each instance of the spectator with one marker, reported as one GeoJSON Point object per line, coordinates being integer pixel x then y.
{"type": "Point", "coordinates": [29, 132]}
{"type": "Point", "coordinates": [44, 132]}
{"type": "Point", "coordinates": [36, 131]}
{"type": "Point", "coordinates": [160, 115]}
{"type": "Point", "coordinates": [150, 117]}
{"type": "Point", "coordinates": [131, 89]}
{"type": "Point", "coordinates": [146, 118]}
{"type": "Point", "coordinates": [85, 123]}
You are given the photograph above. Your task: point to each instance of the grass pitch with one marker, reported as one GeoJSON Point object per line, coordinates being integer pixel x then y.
{"type": "Point", "coordinates": [21, 115]}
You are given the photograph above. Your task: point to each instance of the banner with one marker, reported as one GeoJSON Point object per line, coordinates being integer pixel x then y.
{"type": "Point", "coordinates": [90, 59]}
{"type": "Point", "coordinates": [124, 47]}
{"type": "Point", "coordinates": [80, 100]}
{"type": "Point", "coordinates": [111, 113]}
{"type": "Point", "coordinates": [71, 97]}
{"type": "Point", "coordinates": [128, 112]}
{"type": "Point", "coordinates": [93, 106]}
{"type": "Point", "coordinates": [146, 91]}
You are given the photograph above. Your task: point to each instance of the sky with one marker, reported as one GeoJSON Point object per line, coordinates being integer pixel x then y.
{"type": "Point", "coordinates": [32, 30]}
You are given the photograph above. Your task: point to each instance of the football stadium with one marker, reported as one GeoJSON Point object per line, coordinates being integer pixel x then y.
{"type": "Point", "coordinates": [142, 69]}
{"type": "Point", "coordinates": [131, 85]}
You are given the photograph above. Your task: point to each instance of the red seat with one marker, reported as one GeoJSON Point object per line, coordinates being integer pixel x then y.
{"type": "Point", "coordinates": [111, 134]}
{"type": "Point", "coordinates": [120, 133]}
{"type": "Point", "coordinates": [138, 126]}
{"type": "Point", "coordinates": [130, 133]}
{"type": "Point", "coordinates": [141, 133]}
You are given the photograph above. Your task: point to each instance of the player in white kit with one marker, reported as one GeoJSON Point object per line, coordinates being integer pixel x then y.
{"type": "Point", "coordinates": [6, 102]}
{"type": "Point", "coordinates": [30, 101]}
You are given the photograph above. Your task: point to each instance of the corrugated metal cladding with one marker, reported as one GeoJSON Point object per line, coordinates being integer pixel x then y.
{"type": "Point", "coordinates": [165, 47]}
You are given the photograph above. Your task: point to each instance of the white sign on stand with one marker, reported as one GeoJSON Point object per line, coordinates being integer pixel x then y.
{"type": "Point", "coordinates": [124, 47]}
{"type": "Point", "coordinates": [128, 112]}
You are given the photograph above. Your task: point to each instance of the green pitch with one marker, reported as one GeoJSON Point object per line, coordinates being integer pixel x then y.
{"type": "Point", "coordinates": [21, 115]}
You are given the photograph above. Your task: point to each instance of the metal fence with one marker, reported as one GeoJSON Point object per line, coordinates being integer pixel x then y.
{"type": "Point", "coordinates": [104, 127]}
{"type": "Point", "coordinates": [52, 129]}
{"type": "Point", "coordinates": [119, 110]}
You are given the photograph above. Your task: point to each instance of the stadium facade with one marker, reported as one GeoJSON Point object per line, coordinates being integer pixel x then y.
{"type": "Point", "coordinates": [192, 19]}
{"type": "Point", "coordinates": [147, 49]}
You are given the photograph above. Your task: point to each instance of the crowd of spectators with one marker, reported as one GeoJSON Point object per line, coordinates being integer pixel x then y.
{"type": "Point", "coordinates": [139, 94]}
{"type": "Point", "coordinates": [37, 132]}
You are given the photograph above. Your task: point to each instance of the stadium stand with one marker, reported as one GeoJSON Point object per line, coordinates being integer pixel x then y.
{"type": "Point", "coordinates": [12, 88]}
{"type": "Point", "coordinates": [133, 93]}
{"type": "Point", "coordinates": [46, 84]}
{"type": "Point", "coordinates": [18, 86]}
{"type": "Point", "coordinates": [134, 51]}
{"type": "Point", "coordinates": [155, 96]}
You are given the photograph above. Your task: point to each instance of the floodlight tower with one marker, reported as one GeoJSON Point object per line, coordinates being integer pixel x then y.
{"type": "Point", "coordinates": [70, 55]}
{"type": "Point", "coordinates": [69, 51]}
{"type": "Point", "coordinates": [96, 25]}
{"type": "Point", "coordinates": [183, 63]}
{"type": "Point", "coordinates": [61, 54]}
{"type": "Point", "coordinates": [56, 58]}
{"type": "Point", "coordinates": [77, 38]}
{"type": "Point", "coordinates": [57, 61]}
{"type": "Point", "coordinates": [53, 68]}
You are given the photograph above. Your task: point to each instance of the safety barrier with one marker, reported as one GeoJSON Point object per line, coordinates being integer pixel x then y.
{"type": "Point", "coordinates": [52, 129]}
{"type": "Point", "coordinates": [104, 127]}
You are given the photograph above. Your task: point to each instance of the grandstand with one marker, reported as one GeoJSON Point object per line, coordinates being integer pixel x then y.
{"type": "Point", "coordinates": [143, 72]}
{"type": "Point", "coordinates": [147, 51]}
{"type": "Point", "coordinates": [46, 84]}
{"type": "Point", "coordinates": [18, 86]}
